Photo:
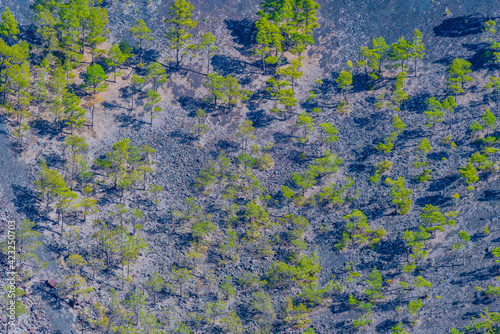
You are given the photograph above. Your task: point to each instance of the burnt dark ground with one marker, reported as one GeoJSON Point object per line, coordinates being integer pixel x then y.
{"type": "Point", "coordinates": [344, 26]}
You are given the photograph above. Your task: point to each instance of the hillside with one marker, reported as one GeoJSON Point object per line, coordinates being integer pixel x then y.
{"type": "Point", "coordinates": [329, 169]}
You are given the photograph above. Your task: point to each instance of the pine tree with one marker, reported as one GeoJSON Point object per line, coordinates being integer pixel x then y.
{"type": "Point", "coordinates": [58, 84]}
{"type": "Point", "coordinates": [137, 82]}
{"type": "Point", "coordinates": [305, 121]}
{"type": "Point", "coordinates": [494, 85]}
{"type": "Point", "coordinates": [27, 242]}
{"type": "Point", "coordinates": [95, 78]}
{"type": "Point", "coordinates": [215, 85]}
{"type": "Point", "coordinates": [401, 52]}
{"type": "Point", "coordinates": [375, 281]}
{"type": "Point", "coordinates": [381, 49]}
{"type": "Point", "coordinates": [432, 218]}
{"type": "Point", "coordinates": [489, 119]}
{"type": "Point", "coordinates": [245, 132]}
{"type": "Point", "coordinates": [141, 32]}
{"type": "Point", "coordinates": [47, 30]}
{"type": "Point", "coordinates": [400, 195]}
{"type": "Point", "coordinates": [153, 99]}
{"type": "Point", "coordinates": [40, 93]}
{"type": "Point", "coordinates": [180, 25]}
{"type": "Point", "coordinates": [233, 93]}
{"type": "Point", "coordinates": [344, 81]}
{"type": "Point", "coordinates": [458, 75]}
{"type": "Point", "coordinates": [156, 72]}
{"type": "Point", "coordinates": [92, 102]}
{"type": "Point", "coordinates": [207, 44]}
{"type": "Point", "coordinates": [116, 58]}
{"type": "Point", "coordinates": [400, 96]}
{"type": "Point", "coordinates": [469, 174]}
{"type": "Point", "coordinates": [18, 83]}
{"type": "Point", "coordinates": [74, 114]}
{"type": "Point", "coordinates": [331, 133]}
{"type": "Point", "coordinates": [292, 72]}
{"type": "Point", "coordinates": [201, 127]}
{"type": "Point", "coordinates": [417, 48]}
{"type": "Point", "coordinates": [88, 204]}
{"type": "Point", "coordinates": [398, 329]}
{"type": "Point", "coordinates": [69, 25]}
{"type": "Point", "coordinates": [285, 96]}
{"type": "Point", "coordinates": [76, 144]}
{"type": "Point", "coordinates": [262, 304]}
{"type": "Point", "coordinates": [155, 284]}
{"type": "Point", "coordinates": [490, 30]}
{"type": "Point", "coordinates": [368, 59]}
{"type": "Point", "coordinates": [97, 22]}
{"type": "Point", "coordinates": [268, 36]}
{"type": "Point", "coordinates": [180, 277]}
{"type": "Point", "coordinates": [75, 285]}
{"type": "Point", "coordinates": [8, 25]}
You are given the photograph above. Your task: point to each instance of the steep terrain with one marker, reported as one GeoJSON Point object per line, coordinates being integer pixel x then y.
{"type": "Point", "coordinates": [451, 29]}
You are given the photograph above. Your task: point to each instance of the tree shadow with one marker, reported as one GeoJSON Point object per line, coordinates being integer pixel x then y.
{"type": "Point", "coordinates": [150, 56]}
{"type": "Point", "coordinates": [437, 156]}
{"type": "Point", "coordinates": [26, 201]}
{"type": "Point", "coordinates": [482, 57]}
{"type": "Point", "coordinates": [182, 137]}
{"type": "Point", "coordinates": [243, 33]}
{"type": "Point", "coordinates": [460, 26]}
{"type": "Point", "coordinates": [129, 120]}
{"type": "Point", "coordinates": [191, 104]}
{"type": "Point", "coordinates": [226, 65]}
{"type": "Point", "coordinates": [443, 183]}
{"type": "Point", "coordinates": [437, 200]}
{"type": "Point", "coordinates": [282, 138]}
{"type": "Point", "coordinates": [227, 146]}
{"type": "Point", "coordinates": [417, 102]}
{"type": "Point", "coordinates": [28, 34]}
{"type": "Point", "coordinates": [260, 118]}
{"type": "Point", "coordinates": [490, 195]}
{"type": "Point", "coordinates": [390, 250]}
{"type": "Point", "coordinates": [446, 60]}
{"type": "Point", "coordinates": [367, 123]}
{"type": "Point", "coordinates": [482, 274]}
{"type": "Point", "coordinates": [357, 168]}
{"type": "Point", "coordinates": [44, 128]}
{"type": "Point", "coordinates": [386, 325]}
{"type": "Point", "coordinates": [412, 134]}
{"type": "Point", "coordinates": [54, 160]}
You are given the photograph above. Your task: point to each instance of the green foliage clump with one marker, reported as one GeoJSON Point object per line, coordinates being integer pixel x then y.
{"type": "Point", "coordinates": [481, 159]}
{"type": "Point", "coordinates": [388, 144]}
{"type": "Point", "coordinates": [398, 329]}
{"type": "Point", "coordinates": [381, 168]}
{"type": "Point", "coordinates": [400, 96]}
{"type": "Point", "coordinates": [415, 306]}
{"type": "Point", "coordinates": [416, 240]}
{"type": "Point", "coordinates": [437, 109]}
{"type": "Point", "coordinates": [336, 194]}
{"type": "Point", "coordinates": [305, 271]}
{"type": "Point", "coordinates": [400, 195]}
{"type": "Point", "coordinates": [488, 322]}
{"type": "Point", "coordinates": [458, 75]}
{"type": "Point", "coordinates": [375, 281]}
{"type": "Point", "coordinates": [432, 218]}
{"type": "Point", "coordinates": [357, 230]}
{"type": "Point", "coordinates": [469, 175]}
